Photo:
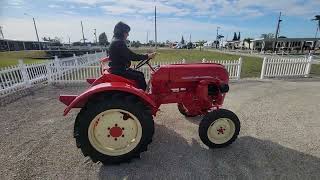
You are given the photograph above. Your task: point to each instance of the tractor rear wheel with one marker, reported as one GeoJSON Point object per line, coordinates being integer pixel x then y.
{"type": "Point", "coordinates": [114, 129]}
{"type": "Point", "coordinates": [219, 128]}
{"type": "Point", "coordinates": [183, 110]}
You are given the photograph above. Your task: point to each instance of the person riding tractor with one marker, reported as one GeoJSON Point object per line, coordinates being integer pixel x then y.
{"type": "Point", "coordinates": [121, 56]}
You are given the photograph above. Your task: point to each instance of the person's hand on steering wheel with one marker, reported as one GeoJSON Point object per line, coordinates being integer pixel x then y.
{"type": "Point", "coordinates": [146, 61]}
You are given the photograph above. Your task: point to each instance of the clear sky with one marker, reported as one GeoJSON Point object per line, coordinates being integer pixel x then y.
{"type": "Point", "coordinates": [199, 18]}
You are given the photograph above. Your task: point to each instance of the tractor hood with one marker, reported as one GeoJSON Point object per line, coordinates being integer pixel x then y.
{"type": "Point", "coordinates": [184, 73]}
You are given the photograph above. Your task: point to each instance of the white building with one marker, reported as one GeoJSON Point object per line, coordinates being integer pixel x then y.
{"type": "Point", "coordinates": [286, 44]}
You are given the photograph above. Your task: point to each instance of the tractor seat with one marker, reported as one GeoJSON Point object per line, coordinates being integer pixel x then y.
{"type": "Point", "coordinates": [116, 78]}
{"type": "Point", "coordinates": [112, 77]}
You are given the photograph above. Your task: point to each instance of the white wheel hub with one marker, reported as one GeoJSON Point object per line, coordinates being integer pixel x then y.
{"type": "Point", "coordinates": [115, 132]}
{"type": "Point", "coordinates": [221, 130]}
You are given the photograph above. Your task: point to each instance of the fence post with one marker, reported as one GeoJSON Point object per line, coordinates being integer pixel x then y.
{"type": "Point", "coordinates": [263, 67]}
{"type": "Point", "coordinates": [239, 68]}
{"type": "Point", "coordinates": [49, 73]}
{"type": "Point", "coordinates": [75, 60]}
{"type": "Point", "coordinates": [24, 73]}
{"type": "Point", "coordinates": [57, 65]}
{"type": "Point", "coordinates": [183, 61]}
{"type": "Point", "coordinates": [308, 68]}
{"type": "Point", "coordinates": [203, 60]}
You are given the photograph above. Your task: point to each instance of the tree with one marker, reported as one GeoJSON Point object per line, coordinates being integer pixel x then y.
{"type": "Point", "coordinates": [46, 39]}
{"type": "Point", "coordinates": [76, 43]}
{"type": "Point", "coordinates": [235, 37]}
{"type": "Point", "coordinates": [56, 41]}
{"type": "Point", "coordinates": [190, 45]}
{"type": "Point", "coordinates": [135, 44]}
{"type": "Point", "coordinates": [238, 37]}
{"type": "Point", "coordinates": [151, 42]}
{"type": "Point", "coordinates": [220, 36]}
{"type": "Point", "coordinates": [316, 18]}
{"type": "Point", "coordinates": [182, 40]}
{"type": "Point", "coordinates": [103, 39]}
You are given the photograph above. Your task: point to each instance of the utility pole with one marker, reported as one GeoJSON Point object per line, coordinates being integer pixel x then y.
{"type": "Point", "coordinates": [217, 37]}
{"type": "Point", "coordinates": [155, 26]}
{"type": "Point", "coordinates": [95, 35]}
{"type": "Point", "coordinates": [190, 38]}
{"type": "Point", "coordinates": [35, 27]}
{"type": "Point", "coordinates": [277, 32]}
{"type": "Point", "coordinates": [1, 33]}
{"type": "Point", "coordinates": [147, 37]}
{"type": "Point", "coordinates": [84, 40]}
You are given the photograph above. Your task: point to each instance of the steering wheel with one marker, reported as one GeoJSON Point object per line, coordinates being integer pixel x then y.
{"type": "Point", "coordinates": [141, 63]}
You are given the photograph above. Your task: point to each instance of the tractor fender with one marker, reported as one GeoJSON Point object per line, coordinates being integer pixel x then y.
{"type": "Point", "coordinates": [81, 100]}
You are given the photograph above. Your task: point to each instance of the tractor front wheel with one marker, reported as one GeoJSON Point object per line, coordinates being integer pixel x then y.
{"type": "Point", "coordinates": [114, 129]}
{"type": "Point", "coordinates": [219, 128]}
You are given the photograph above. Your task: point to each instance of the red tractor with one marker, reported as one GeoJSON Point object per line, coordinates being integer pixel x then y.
{"type": "Point", "coordinates": [115, 123]}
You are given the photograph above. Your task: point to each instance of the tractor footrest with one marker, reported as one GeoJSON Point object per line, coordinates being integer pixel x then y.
{"type": "Point", "coordinates": [90, 80]}
{"type": "Point", "coordinates": [67, 99]}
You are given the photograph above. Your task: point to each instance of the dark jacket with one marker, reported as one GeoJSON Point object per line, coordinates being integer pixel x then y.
{"type": "Point", "coordinates": [121, 56]}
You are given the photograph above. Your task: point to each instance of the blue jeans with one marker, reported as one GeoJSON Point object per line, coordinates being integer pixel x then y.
{"type": "Point", "coordinates": [132, 75]}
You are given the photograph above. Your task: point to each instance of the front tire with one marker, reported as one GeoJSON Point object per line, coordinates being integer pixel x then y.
{"type": "Point", "coordinates": [114, 129]}
{"type": "Point", "coordinates": [219, 128]}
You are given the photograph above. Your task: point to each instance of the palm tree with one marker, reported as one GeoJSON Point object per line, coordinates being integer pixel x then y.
{"type": "Point", "coordinates": [316, 18]}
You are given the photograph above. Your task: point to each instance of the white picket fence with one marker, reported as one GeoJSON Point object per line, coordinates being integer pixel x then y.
{"type": "Point", "coordinates": [76, 69]}
{"type": "Point", "coordinates": [79, 68]}
{"type": "Point", "coordinates": [76, 74]}
{"type": "Point", "coordinates": [233, 66]}
{"type": "Point", "coordinates": [23, 76]}
{"type": "Point", "coordinates": [285, 67]}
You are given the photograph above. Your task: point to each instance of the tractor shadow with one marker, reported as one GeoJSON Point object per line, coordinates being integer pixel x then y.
{"type": "Point", "coordinates": [170, 156]}
{"type": "Point", "coordinates": [195, 120]}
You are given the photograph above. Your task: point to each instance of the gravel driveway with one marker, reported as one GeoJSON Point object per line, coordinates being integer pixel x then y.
{"type": "Point", "coordinates": [279, 139]}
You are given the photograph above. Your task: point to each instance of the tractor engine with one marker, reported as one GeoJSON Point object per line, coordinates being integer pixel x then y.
{"type": "Point", "coordinates": [198, 87]}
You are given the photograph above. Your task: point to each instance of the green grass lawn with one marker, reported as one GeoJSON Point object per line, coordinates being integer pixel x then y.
{"type": "Point", "coordinates": [12, 57]}
{"type": "Point", "coordinates": [251, 66]}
